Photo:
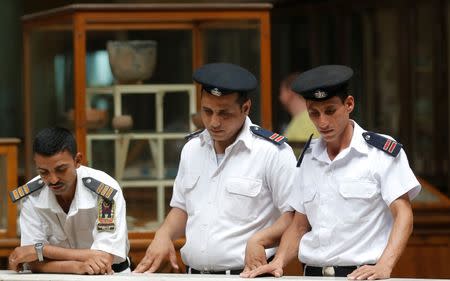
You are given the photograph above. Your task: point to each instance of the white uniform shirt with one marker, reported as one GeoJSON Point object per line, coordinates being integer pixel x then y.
{"type": "Point", "coordinates": [347, 201]}
{"type": "Point", "coordinates": [227, 203]}
{"type": "Point", "coordinates": [43, 220]}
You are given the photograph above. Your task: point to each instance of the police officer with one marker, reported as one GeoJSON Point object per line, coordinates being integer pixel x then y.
{"type": "Point", "coordinates": [353, 213]}
{"type": "Point", "coordinates": [234, 179]}
{"type": "Point", "coordinates": [73, 218]}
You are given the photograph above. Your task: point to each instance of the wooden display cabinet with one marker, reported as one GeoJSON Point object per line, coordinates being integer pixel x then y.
{"type": "Point", "coordinates": [64, 59]}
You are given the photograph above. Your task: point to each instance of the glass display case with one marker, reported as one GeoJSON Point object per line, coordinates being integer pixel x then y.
{"type": "Point", "coordinates": [77, 71]}
{"type": "Point", "coordinates": [8, 181]}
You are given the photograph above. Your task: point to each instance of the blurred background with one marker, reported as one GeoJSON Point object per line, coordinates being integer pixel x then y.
{"type": "Point", "coordinates": [398, 49]}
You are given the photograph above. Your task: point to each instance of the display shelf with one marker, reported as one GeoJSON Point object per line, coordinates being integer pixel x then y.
{"type": "Point", "coordinates": [155, 140]}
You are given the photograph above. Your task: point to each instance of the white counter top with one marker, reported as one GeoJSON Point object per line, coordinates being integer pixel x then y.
{"type": "Point", "coordinates": [8, 275]}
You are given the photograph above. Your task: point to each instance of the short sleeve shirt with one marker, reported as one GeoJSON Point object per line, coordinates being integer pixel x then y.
{"type": "Point", "coordinates": [228, 202]}
{"type": "Point", "coordinates": [43, 220]}
{"type": "Point", "coordinates": [347, 201]}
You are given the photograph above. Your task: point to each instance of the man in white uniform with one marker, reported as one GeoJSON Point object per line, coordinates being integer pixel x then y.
{"type": "Point", "coordinates": [353, 213]}
{"type": "Point", "coordinates": [230, 195]}
{"type": "Point", "coordinates": [73, 218]}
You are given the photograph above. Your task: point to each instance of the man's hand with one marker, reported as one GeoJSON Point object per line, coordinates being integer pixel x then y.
{"type": "Point", "coordinates": [22, 255]}
{"type": "Point", "coordinates": [255, 255]}
{"type": "Point", "coordinates": [275, 268]}
{"type": "Point", "coordinates": [96, 266]}
{"type": "Point", "coordinates": [371, 272]}
{"type": "Point", "coordinates": [157, 252]}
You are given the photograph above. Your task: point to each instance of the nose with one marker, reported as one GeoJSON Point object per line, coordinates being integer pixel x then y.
{"type": "Point", "coordinates": [52, 178]}
{"type": "Point", "coordinates": [215, 121]}
{"type": "Point", "coordinates": [323, 122]}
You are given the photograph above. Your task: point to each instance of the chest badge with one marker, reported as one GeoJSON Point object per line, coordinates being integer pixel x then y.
{"type": "Point", "coordinates": [106, 219]}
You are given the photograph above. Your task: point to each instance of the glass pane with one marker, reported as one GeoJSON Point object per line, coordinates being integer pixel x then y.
{"type": "Point", "coordinates": [3, 193]}
{"type": "Point", "coordinates": [147, 206]}
{"type": "Point", "coordinates": [237, 43]}
{"type": "Point", "coordinates": [144, 156]}
{"type": "Point", "coordinates": [51, 79]}
{"type": "Point", "coordinates": [141, 208]}
{"type": "Point", "coordinates": [422, 85]}
{"type": "Point", "coordinates": [103, 158]}
{"type": "Point", "coordinates": [385, 96]}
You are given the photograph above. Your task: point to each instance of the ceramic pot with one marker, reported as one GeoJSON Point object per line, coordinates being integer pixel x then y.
{"type": "Point", "coordinates": [132, 61]}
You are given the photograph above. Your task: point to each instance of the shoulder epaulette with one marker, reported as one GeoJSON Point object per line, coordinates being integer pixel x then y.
{"type": "Point", "coordinates": [268, 135]}
{"type": "Point", "coordinates": [305, 148]}
{"type": "Point", "coordinates": [25, 190]}
{"type": "Point", "coordinates": [385, 144]}
{"type": "Point", "coordinates": [100, 188]}
{"type": "Point", "coordinates": [193, 135]}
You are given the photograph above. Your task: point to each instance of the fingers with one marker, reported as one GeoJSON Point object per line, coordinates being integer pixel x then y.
{"type": "Point", "coordinates": [144, 265]}
{"type": "Point", "coordinates": [155, 265]}
{"type": "Point", "coordinates": [267, 268]}
{"type": "Point", "coordinates": [245, 271]}
{"type": "Point", "coordinates": [365, 272]}
{"type": "Point", "coordinates": [173, 260]}
{"type": "Point", "coordinates": [13, 264]}
{"type": "Point", "coordinates": [98, 266]}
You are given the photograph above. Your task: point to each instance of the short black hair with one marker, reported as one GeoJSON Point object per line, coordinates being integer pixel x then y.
{"type": "Point", "coordinates": [343, 95]}
{"type": "Point", "coordinates": [50, 141]}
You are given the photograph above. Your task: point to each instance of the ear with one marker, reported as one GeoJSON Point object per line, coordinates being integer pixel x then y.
{"type": "Point", "coordinates": [246, 107]}
{"type": "Point", "coordinates": [349, 104]}
{"type": "Point", "coordinates": [78, 159]}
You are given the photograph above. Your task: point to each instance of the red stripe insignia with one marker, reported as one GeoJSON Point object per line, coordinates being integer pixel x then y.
{"type": "Point", "coordinates": [273, 136]}
{"type": "Point", "coordinates": [392, 147]}
{"type": "Point", "coordinates": [387, 144]}
{"type": "Point", "coordinates": [279, 138]}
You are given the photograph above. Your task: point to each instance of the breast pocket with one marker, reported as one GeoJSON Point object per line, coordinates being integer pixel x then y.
{"type": "Point", "coordinates": [310, 203]}
{"type": "Point", "coordinates": [56, 236]}
{"type": "Point", "coordinates": [241, 199]}
{"type": "Point", "coordinates": [357, 200]}
{"type": "Point", "coordinates": [189, 183]}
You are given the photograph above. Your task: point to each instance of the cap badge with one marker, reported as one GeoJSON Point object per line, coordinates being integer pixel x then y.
{"type": "Point", "coordinates": [216, 92]}
{"type": "Point", "coordinates": [320, 95]}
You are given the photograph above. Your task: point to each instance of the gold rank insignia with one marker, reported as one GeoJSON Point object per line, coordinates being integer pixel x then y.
{"type": "Point", "coordinates": [100, 188]}
{"type": "Point", "coordinates": [106, 211]}
{"type": "Point", "coordinates": [25, 190]}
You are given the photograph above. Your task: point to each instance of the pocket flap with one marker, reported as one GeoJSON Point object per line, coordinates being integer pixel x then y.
{"type": "Point", "coordinates": [242, 186]}
{"type": "Point", "coordinates": [355, 189]}
{"type": "Point", "coordinates": [189, 181]}
{"type": "Point", "coordinates": [309, 194]}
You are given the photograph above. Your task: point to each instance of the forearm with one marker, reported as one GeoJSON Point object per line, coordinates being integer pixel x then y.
{"type": "Point", "coordinates": [289, 245]}
{"type": "Point", "coordinates": [56, 267]}
{"type": "Point", "coordinates": [270, 236]}
{"type": "Point", "coordinates": [64, 254]}
{"type": "Point", "coordinates": [174, 225]}
{"type": "Point", "coordinates": [401, 230]}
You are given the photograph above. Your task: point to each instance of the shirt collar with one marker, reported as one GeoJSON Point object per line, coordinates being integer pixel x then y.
{"type": "Point", "coordinates": [244, 136]}
{"type": "Point", "coordinates": [83, 198]}
{"type": "Point", "coordinates": [357, 143]}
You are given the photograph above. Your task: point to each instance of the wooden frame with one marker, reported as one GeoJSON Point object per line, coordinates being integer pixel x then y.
{"type": "Point", "coordinates": [8, 149]}
{"type": "Point", "coordinates": [91, 17]}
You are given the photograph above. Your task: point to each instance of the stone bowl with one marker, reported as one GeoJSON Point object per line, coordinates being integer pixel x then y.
{"type": "Point", "coordinates": [132, 61]}
{"type": "Point", "coordinates": [95, 118]}
{"type": "Point", "coordinates": [122, 122]}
